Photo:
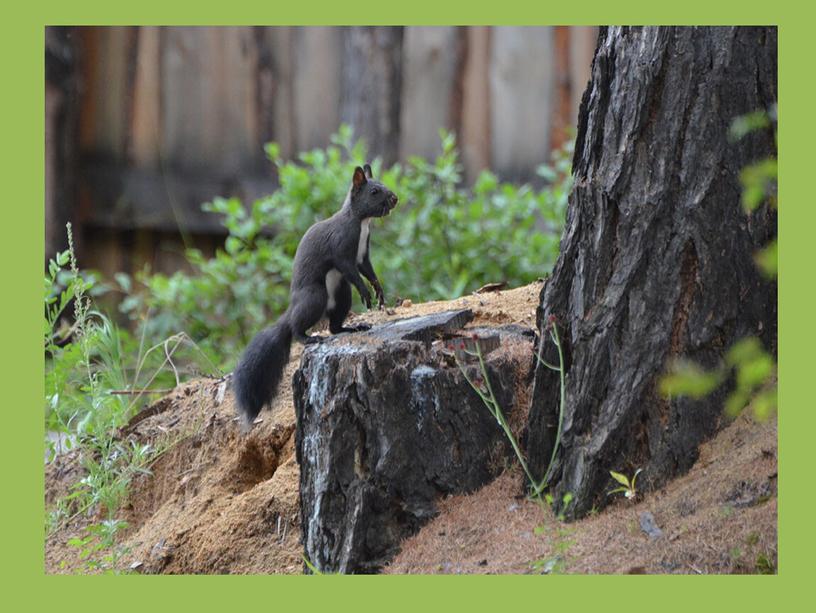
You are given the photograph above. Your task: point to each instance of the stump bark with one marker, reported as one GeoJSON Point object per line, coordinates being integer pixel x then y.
{"type": "Point", "coordinates": [386, 425]}
{"type": "Point", "coordinates": [657, 254]}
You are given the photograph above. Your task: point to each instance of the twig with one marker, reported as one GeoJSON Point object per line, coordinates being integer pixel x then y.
{"type": "Point", "coordinates": [493, 406]}
{"type": "Point", "coordinates": [169, 355]}
{"type": "Point", "coordinates": [142, 391]}
{"type": "Point", "coordinates": [557, 342]}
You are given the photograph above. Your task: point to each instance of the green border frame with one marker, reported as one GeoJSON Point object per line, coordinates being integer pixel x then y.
{"type": "Point", "coordinates": [22, 248]}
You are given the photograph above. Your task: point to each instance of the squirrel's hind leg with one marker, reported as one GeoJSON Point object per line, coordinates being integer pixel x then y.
{"type": "Point", "coordinates": [308, 305]}
{"type": "Point", "coordinates": [340, 310]}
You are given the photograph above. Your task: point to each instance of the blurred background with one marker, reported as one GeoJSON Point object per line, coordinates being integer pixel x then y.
{"type": "Point", "coordinates": [144, 124]}
{"type": "Point", "coordinates": [189, 162]}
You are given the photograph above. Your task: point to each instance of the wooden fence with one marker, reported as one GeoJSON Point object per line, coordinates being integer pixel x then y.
{"type": "Point", "coordinates": [143, 124]}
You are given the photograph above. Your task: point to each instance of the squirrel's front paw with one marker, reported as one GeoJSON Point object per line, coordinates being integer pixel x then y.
{"type": "Point", "coordinates": [378, 292]}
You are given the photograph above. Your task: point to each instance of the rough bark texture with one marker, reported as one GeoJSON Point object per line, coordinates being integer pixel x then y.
{"type": "Point", "coordinates": [656, 257]}
{"type": "Point", "coordinates": [386, 425]}
{"type": "Point", "coordinates": [371, 85]}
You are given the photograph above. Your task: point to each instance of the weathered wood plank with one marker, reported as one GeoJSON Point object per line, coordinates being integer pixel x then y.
{"type": "Point", "coordinates": [520, 95]}
{"type": "Point", "coordinates": [429, 72]}
{"type": "Point", "coordinates": [371, 87]}
{"type": "Point", "coordinates": [145, 128]}
{"type": "Point", "coordinates": [316, 83]}
{"type": "Point", "coordinates": [561, 94]}
{"type": "Point", "coordinates": [582, 47]}
{"type": "Point", "coordinates": [209, 98]}
{"type": "Point", "coordinates": [276, 95]}
{"type": "Point", "coordinates": [162, 199]}
{"type": "Point", "coordinates": [474, 137]}
{"type": "Point", "coordinates": [103, 122]}
{"type": "Point", "coordinates": [62, 102]}
{"type": "Point", "coordinates": [105, 250]}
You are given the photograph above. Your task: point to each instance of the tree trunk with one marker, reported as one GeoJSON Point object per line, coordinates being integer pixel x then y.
{"type": "Point", "coordinates": [370, 99]}
{"type": "Point", "coordinates": [657, 254]}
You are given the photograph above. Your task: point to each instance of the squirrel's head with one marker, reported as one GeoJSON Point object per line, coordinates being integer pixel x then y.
{"type": "Point", "coordinates": [370, 198]}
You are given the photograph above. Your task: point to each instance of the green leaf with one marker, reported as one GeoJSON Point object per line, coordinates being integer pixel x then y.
{"type": "Point", "coordinates": [745, 124]}
{"type": "Point", "coordinates": [744, 351]}
{"type": "Point", "coordinates": [124, 281]}
{"type": "Point", "coordinates": [766, 259]}
{"type": "Point", "coordinates": [757, 182]}
{"type": "Point", "coordinates": [272, 151]}
{"type": "Point", "coordinates": [622, 479]}
{"type": "Point", "coordinates": [755, 371]}
{"type": "Point", "coordinates": [764, 404]}
{"type": "Point", "coordinates": [311, 566]}
{"type": "Point", "coordinates": [735, 403]}
{"type": "Point", "coordinates": [686, 378]}
{"type": "Point", "coordinates": [547, 173]}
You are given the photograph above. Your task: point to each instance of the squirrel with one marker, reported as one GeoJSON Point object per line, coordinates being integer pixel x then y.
{"type": "Point", "coordinates": [329, 259]}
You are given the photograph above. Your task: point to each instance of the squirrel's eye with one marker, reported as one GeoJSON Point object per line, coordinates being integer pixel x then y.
{"type": "Point", "coordinates": [375, 191]}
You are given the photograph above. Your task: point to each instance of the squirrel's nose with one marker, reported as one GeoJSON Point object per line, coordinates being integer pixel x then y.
{"type": "Point", "coordinates": [392, 200]}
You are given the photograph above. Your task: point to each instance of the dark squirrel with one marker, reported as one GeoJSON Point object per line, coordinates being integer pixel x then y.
{"type": "Point", "coordinates": [329, 260]}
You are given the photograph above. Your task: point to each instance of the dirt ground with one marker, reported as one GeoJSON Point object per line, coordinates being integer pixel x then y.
{"type": "Point", "coordinates": [217, 501]}
{"type": "Point", "coordinates": [718, 518]}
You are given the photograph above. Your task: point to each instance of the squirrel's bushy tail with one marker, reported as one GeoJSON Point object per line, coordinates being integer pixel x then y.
{"type": "Point", "coordinates": [259, 370]}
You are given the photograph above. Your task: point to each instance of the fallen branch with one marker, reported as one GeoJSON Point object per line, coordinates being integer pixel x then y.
{"type": "Point", "coordinates": [142, 391]}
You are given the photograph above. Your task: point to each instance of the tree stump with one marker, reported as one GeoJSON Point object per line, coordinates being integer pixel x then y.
{"type": "Point", "coordinates": [385, 426]}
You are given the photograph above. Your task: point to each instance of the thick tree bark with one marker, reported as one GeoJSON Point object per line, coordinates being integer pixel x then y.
{"type": "Point", "coordinates": [370, 99]}
{"type": "Point", "coordinates": [656, 257]}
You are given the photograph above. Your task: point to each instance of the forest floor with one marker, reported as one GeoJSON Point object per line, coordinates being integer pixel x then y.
{"type": "Point", "coordinates": [217, 501]}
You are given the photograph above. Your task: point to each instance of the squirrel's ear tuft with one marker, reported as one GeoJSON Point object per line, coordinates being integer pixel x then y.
{"type": "Point", "coordinates": [367, 170]}
{"type": "Point", "coordinates": [359, 178]}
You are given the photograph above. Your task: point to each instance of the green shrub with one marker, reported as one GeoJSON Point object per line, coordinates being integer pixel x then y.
{"type": "Point", "coordinates": [91, 392]}
{"type": "Point", "coordinates": [82, 359]}
{"type": "Point", "coordinates": [442, 241]}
